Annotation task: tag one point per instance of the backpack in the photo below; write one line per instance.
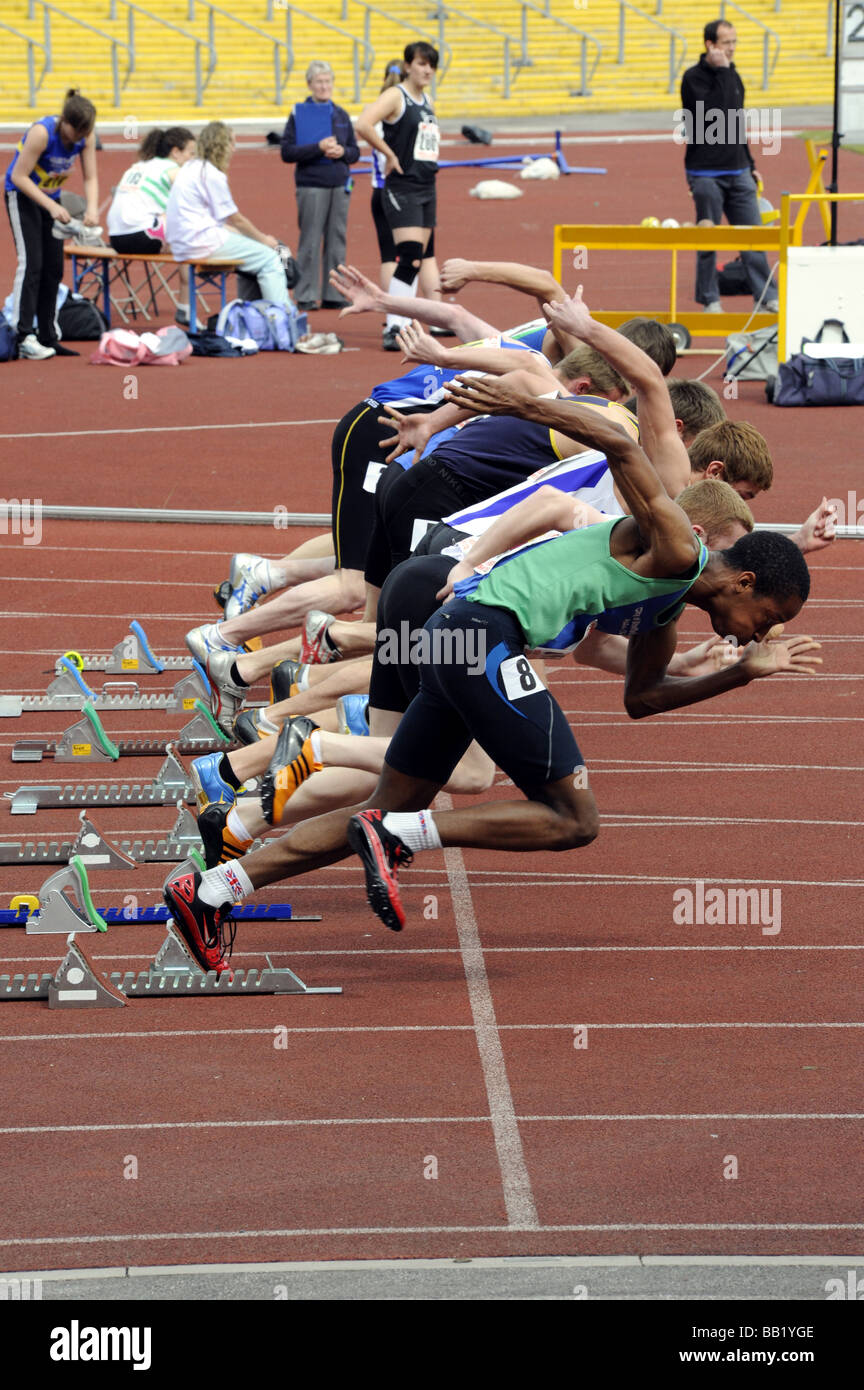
(274, 327)
(751, 356)
(120, 347)
(8, 342)
(81, 319)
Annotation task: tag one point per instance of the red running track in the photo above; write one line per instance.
(456, 1043)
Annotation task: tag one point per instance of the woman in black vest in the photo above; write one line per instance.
(409, 143)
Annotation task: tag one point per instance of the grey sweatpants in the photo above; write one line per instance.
(323, 217)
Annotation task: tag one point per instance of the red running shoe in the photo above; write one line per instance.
(382, 854)
(207, 932)
(317, 646)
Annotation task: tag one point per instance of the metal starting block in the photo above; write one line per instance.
(65, 903)
(68, 691)
(132, 654)
(92, 848)
(87, 742)
(171, 784)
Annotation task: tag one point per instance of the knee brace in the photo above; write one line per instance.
(408, 257)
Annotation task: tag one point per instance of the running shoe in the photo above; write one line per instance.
(352, 712)
(292, 763)
(207, 932)
(226, 696)
(201, 641)
(31, 347)
(382, 854)
(211, 789)
(220, 846)
(247, 727)
(390, 340)
(285, 680)
(317, 647)
(251, 578)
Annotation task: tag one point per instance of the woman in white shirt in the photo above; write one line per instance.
(136, 217)
(202, 220)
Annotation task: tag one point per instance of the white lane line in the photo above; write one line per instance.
(176, 429)
(318, 1231)
(400, 1028)
(518, 1197)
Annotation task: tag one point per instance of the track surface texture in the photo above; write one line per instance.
(545, 1062)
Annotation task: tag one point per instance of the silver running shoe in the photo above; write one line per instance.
(226, 697)
(204, 641)
(251, 578)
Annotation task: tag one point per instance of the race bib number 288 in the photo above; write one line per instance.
(426, 141)
(519, 678)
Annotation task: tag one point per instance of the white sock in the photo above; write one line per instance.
(399, 289)
(315, 740)
(416, 829)
(235, 824)
(276, 577)
(267, 725)
(303, 678)
(224, 884)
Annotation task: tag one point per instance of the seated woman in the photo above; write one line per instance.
(202, 220)
(136, 217)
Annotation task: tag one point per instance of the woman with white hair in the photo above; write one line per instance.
(319, 139)
(202, 219)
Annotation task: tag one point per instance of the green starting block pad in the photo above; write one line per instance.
(87, 742)
(97, 852)
(69, 691)
(132, 654)
(171, 784)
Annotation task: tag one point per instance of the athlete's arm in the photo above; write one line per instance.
(547, 509)
(818, 530)
(456, 273)
(415, 431)
(366, 296)
(662, 524)
(384, 108)
(422, 347)
(91, 181)
(35, 144)
(659, 433)
(649, 688)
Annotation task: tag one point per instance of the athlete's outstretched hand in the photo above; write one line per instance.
(769, 658)
(455, 274)
(419, 346)
(409, 432)
(572, 315)
(819, 529)
(488, 395)
(352, 284)
(714, 655)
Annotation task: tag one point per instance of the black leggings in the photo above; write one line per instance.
(426, 492)
(407, 603)
(40, 268)
(141, 243)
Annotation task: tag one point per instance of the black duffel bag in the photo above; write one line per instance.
(805, 380)
(81, 320)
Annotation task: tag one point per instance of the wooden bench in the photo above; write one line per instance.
(114, 272)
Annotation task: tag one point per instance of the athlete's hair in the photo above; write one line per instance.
(777, 563)
(421, 50)
(587, 361)
(696, 405)
(714, 505)
(654, 339)
(709, 33)
(158, 144)
(740, 448)
(78, 112)
(215, 144)
(316, 68)
(393, 74)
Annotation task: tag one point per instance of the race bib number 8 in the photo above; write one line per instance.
(519, 678)
(426, 141)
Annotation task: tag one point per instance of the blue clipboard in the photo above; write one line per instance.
(313, 121)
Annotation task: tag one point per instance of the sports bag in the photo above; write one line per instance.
(805, 380)
(81, 320)
(273, 327)
(8, 342)
(751, 356)
(120, 347)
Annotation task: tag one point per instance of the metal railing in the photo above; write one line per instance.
(584, 39)
(116, 44)
(768, 63)
(675, 37)
(445, 55)
(279, 78)
(356, 44)
(201, 79)
(442, 13)
(32, 44)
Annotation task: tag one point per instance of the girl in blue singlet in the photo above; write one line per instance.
(43, 162)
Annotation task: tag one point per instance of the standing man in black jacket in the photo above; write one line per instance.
(323, 191)
(718, 163)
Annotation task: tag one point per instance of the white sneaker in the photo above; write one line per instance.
(75, 229)
(251, 578)
(772, 306)
(203, 641)
(715, 307)
(32, 348)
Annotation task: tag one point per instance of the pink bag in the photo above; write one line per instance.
(120, 347)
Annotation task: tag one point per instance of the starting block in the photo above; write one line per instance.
(91, 847)
(87, 742)
(171, 783)
(68, 691)
(65, 904)
(78, 983)
(132, 653)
